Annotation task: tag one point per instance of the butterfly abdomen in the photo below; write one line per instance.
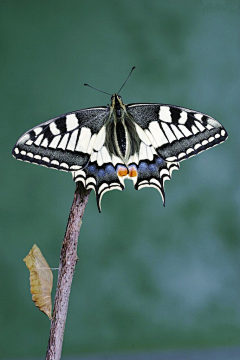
(121, 137)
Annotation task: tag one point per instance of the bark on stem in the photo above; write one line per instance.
(68, 260)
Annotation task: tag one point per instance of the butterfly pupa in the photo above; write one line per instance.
(41, 280)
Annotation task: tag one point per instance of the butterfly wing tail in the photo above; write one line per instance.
(154, 173)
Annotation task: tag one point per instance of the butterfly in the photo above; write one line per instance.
(103, 146)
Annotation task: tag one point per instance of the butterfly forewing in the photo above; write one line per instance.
(177, 133)
(63, 143)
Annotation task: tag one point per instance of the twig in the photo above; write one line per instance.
(68, 260)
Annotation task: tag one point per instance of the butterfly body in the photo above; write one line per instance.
(103, 146)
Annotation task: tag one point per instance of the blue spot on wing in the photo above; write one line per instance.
(153, 167)
(149, 171)
(143, 166)
(110, 169)
(105, 174)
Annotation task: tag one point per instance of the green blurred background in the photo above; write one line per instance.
(148, 277)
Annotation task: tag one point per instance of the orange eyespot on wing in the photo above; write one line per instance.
(132, 171)
(122, 171)
(41, 280)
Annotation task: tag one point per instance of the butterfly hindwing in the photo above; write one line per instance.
(154, 173)
(63, 143)
(177, 133)
(100, 174)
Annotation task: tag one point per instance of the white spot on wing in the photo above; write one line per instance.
(37, 130)
(75, 167)
(199, 125)
(211, 139)
(181, 155)
(142, 135)
(79, 178)
(183, 117)
(105, 155)
(55, 141)
(168, 132)
(71, 122)
(90, 186)
(171, 158)
(173, 166)
(143, 152)
(177, 133)
(100, 139)
(185, 130)
(46, 159)
(91, 180)
(91, 143)
(72, 140)
(209, 127)
(63, 142)
(164, 172)
(151, 138)
(64, 165)
(116, 160)
(53, 128)
(16, 150)
(149, 153)
(37, 157)
(133, 159)
(155, 181)
(99, 158)
(39, 140)
(157, 133)
(198, 116)
(80, 173)
(194, 129)
(165, 114)
(55, 162)
(105, 190)
(197, 146)
(94, 156)
(45, 143)
(102, 187)
(84, 139)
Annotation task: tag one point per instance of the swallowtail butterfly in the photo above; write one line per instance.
(103, 146)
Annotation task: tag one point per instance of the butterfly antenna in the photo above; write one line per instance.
(104, 92)
(126, 79)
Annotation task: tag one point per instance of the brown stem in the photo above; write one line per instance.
(68, 260)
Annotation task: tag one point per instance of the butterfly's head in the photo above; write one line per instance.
(116, 101)
(117, 105)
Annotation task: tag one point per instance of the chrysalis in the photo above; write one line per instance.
(41, 280)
